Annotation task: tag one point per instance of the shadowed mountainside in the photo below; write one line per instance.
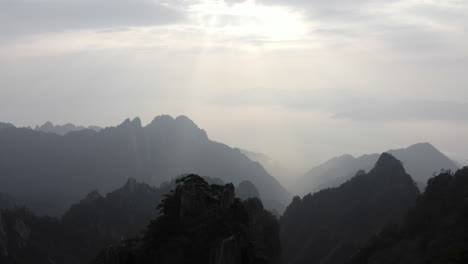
(202, 223)
(52, 171)
(421, 161)
(88, 226)
(331, 225)
(435, 231)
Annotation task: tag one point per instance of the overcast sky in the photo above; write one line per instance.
(299, 80)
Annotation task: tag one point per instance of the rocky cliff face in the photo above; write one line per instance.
(202, 223)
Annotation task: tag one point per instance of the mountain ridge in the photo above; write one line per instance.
(34, 162)
(421, 160)
(329, 226)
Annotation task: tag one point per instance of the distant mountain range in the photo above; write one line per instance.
(421, 161)
(331, 225)
(62, 130)
(50, 171)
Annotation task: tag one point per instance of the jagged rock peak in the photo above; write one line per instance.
(135, 123)
(387, 162)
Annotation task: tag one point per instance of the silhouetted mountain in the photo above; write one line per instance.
(121, 214)
(62, 130)
(86, 228)
(434, 231)
(331, 225)
(421, 161)
(246, 190)
(202, 223)
(83, 231)
(45, 168)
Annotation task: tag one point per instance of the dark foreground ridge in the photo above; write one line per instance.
(435, 231)
(89, 226)
(202, 223)
(331, 225)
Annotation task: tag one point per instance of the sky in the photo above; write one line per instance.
(299, 80)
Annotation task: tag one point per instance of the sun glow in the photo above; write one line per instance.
(249, 21)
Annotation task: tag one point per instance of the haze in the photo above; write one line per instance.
(301, 81)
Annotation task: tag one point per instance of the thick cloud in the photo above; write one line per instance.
(37, 16)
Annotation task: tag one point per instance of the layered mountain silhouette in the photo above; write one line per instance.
(87, 227)
(62, 130)
(434, 231)
(97, 221)
(50, 171)
(202, 223)
(329, 226)
(421, 161)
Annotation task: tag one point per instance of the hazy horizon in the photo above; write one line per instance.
(296, 168)
(301, 81)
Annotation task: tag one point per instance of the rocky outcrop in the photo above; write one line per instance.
(202, 223)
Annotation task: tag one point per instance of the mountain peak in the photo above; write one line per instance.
(180, 127)
(136, 122)
(186, 122)
(47, 124)
(389, 163)
(162, 119)
(425, 146)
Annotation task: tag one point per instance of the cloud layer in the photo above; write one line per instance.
(39, 16)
